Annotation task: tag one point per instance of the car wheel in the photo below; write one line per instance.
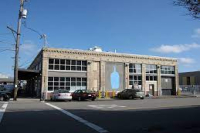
(93, 99)
(130, 97)
(79, 98)
(142, 98)
(1, 98)
(70, 100)
(119, 96)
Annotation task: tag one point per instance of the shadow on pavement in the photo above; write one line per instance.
(42, 120)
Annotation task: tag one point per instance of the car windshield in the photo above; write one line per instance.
(126, 90)
(86, 91)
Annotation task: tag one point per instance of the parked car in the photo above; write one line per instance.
(61, 95)
(4, 94)
(131, 94)
(84, 94)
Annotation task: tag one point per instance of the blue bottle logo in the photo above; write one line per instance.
(114, 78)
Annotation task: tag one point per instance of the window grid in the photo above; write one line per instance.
(151, 69)
(135, 68)
(151, 78)
(135, 79)
(167, 70)
(67, 83)
(67, 65)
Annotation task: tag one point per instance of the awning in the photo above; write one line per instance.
(26, 74)
(6, 80)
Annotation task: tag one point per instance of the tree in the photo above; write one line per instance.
(193, 6)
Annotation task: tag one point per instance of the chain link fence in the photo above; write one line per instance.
(190, 89)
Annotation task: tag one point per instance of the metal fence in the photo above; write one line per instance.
(190, 89)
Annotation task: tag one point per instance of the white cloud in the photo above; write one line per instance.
(186, 60)
(196, 33)
(175, 48)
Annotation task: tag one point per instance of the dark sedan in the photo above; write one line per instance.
(83, 95)
(131, 94)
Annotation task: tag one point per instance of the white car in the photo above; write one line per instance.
(61, 95)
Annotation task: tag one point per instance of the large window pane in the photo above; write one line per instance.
(50, 88)
(84, 63)
(51, 61)
(67, 67)
(51, 67)
(62, 67)
(62, 62)
(73, 62)
(62, 78)
(84, 68)
(56, 79)
(67, 62)
(78, 62)
(56, 67)
(57, 61)
(50, 78)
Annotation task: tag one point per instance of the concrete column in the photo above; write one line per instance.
(126, 75)
(176, 79)
(159, 80)
(44, 78)
(89, 75)
(144, 77)
(102, 75)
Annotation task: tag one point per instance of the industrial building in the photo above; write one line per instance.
(189, 78)
(96, 70)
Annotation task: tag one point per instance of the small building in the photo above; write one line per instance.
(189, 78)
(97, 70)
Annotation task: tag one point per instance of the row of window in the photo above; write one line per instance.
(150, 69)
(135, 68)
(66, 83)
(135, 79)
(167, 70)
(62, 64)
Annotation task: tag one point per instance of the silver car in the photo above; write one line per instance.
(61, 95)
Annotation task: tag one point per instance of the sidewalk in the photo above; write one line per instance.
(153, 97)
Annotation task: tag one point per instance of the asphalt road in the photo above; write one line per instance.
(114, 116)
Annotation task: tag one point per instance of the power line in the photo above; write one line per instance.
(26, 62)
(42, 36)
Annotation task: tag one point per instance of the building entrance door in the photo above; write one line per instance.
(151, 89)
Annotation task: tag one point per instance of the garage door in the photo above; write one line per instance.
(167, 84)
(166, 92)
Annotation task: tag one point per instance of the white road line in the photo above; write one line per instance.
(89, 124)
(2, 110)
(112, 106)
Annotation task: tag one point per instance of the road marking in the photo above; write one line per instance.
(106, 106)
(89, 124)
(163, 107)
(2, 110)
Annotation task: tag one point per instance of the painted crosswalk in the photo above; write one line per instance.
(2, 110)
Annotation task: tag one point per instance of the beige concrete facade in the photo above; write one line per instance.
(96, 62)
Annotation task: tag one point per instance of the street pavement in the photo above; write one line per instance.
(114, 116)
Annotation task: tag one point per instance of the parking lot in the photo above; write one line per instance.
(116, 116)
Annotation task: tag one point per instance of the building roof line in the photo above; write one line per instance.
(107, 53)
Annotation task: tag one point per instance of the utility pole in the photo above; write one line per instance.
(21, 15)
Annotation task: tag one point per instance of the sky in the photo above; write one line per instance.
(152, 27)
